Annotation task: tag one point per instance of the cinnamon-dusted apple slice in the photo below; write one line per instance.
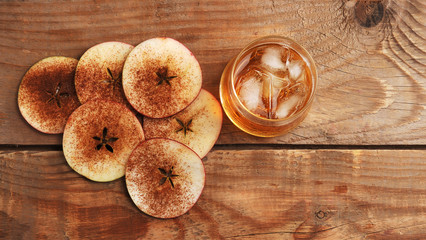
(99, 72)
(99, 138)
(161, 77)
(164, 178)
(197, 126)
(46, 95)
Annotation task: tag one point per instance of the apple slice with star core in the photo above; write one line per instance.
(98, 139)
(47, 96)
(161, 77)
(197, 126)
(164, 178)
(99, 72)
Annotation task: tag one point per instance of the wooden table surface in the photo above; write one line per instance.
(354, 169)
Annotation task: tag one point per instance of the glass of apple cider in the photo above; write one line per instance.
(268, 88)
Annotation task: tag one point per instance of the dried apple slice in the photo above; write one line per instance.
(99, 72)
(47, 96)
(197, 126)
(99, 138)
(164, 177)
(161, 77)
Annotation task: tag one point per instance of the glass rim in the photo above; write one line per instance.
(285, 41)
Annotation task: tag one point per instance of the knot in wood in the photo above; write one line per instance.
(369, 13)
(320, 214)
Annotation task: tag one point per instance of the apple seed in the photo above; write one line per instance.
(112, 81)
(104, 141)
(167, 176)
(56, 95)
(184, 126)
(162, 76)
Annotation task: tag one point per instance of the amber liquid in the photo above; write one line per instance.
(273, 85)
(272, 81)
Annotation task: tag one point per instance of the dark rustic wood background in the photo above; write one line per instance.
(354, 169)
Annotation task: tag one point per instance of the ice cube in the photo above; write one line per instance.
(302, 78)
(272, 59)
(272, 85)
(295, 68)
(279, 82)
(286, 108)
(270, 93)
(250, 92)
(267, 95)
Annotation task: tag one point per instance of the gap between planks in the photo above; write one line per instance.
(13, 147)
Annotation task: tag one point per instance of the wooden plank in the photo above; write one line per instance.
(263, 194)
(372, 80)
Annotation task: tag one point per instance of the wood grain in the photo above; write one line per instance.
(263, 194)
(371, 80)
